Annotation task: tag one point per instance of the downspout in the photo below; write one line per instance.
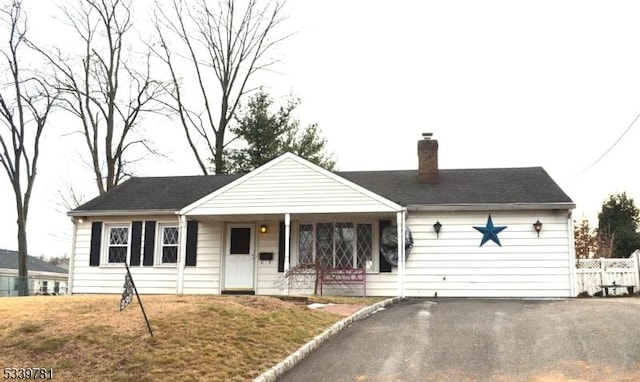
(404, 250)
(400, 234)
(572, 255)
(72, 255)
(183, 252)
(287, 235)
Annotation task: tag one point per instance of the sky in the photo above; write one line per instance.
(499, 84)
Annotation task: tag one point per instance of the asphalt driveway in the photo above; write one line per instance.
(594, 339)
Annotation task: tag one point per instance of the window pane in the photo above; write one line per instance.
(344, 236)
(170, 235)
(119, 236)
(365, 246)
(240, 241)
(306, 243)
(324, 243)
(170, 254)
(117, 254)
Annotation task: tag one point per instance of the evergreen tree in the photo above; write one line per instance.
(264, 134)
(619, 218)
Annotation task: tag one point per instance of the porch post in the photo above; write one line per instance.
(404, 250)
(182, 252)
(287, 235)
(400, 233)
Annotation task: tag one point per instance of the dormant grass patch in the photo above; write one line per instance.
(206, 338)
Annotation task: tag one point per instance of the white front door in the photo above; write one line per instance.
(240, 257)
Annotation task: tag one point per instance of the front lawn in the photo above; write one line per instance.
(207, 338)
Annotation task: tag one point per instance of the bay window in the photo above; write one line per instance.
(337, 244)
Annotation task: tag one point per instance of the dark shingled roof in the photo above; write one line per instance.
(530, 185)
(9, 260)
(157, 193)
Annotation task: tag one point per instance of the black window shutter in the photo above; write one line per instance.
(149, 240)
(384, 265)
(96, 237)
(136, 239)
(192, 243)
(281, 248)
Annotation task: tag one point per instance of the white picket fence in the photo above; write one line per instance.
(591, 273)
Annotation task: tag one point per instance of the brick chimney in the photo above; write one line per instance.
(428, 159)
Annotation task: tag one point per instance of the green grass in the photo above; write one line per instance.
(196, 338)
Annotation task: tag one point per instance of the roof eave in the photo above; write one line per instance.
(489, 207)
(122, 212)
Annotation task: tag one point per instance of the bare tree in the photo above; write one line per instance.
(69, 198)
(25, 103)
(104, 87)
(606, 242)
(222, 47)
(303, 275)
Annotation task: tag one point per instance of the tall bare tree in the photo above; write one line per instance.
(607, 242)
(25, 103)
(222, 44)
(108, 86)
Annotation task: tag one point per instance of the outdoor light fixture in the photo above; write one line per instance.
(437, 227)
(263, 228)
(538, 227)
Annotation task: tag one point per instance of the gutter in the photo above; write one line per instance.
(121, 212)
(490, 207)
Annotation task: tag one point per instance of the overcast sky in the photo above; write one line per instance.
(499, 83)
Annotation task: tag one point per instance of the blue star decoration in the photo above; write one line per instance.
(490, 232)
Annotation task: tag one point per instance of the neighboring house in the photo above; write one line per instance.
(43, 278)
(240, 233)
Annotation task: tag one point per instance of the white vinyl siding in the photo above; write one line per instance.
(455, 265)
(268, 281)
(204, 278)
(201, 279)
(291, 187)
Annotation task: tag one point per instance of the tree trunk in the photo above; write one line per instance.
(219, 157)
(23, 283)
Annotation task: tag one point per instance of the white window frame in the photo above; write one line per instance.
(375, 246)
(107, 243)
(160, 244)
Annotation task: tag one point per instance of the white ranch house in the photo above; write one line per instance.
(204, 234)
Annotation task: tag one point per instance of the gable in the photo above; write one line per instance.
(290, 184)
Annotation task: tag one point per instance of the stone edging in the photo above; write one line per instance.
(272, 374)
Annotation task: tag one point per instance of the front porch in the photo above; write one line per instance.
(259, 253)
